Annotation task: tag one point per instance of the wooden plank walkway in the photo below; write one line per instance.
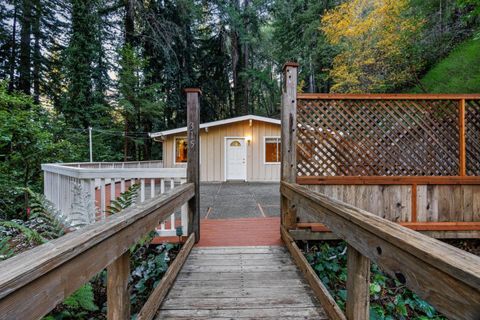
(250, 282)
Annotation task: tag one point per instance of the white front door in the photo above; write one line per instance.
(236, 159)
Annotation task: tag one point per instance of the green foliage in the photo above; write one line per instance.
(148, 267)
(25, 143)
(459, 72)
(124, 200)
(43, 213)
(31, 235)
(5, 250)
(389, 299)
(76, 306)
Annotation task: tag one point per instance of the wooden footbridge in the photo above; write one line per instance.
(362, 168)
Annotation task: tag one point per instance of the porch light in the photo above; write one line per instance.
(249, 139)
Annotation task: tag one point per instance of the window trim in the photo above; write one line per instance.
(265, 150)
(175, 150)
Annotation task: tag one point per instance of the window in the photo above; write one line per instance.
(272, 149)
(181, 150)
(235, 144)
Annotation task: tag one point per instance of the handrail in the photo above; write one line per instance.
(34, 282)
(447, 277)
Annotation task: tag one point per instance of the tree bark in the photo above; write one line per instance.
(37, 56)
(13, 55)
(25, 47)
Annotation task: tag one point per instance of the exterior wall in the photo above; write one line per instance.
(212, 151)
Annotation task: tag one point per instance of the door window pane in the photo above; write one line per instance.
(272, 150)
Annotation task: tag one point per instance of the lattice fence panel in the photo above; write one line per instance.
(472, 138)
(355, 137)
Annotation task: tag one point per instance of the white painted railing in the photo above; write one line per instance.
(82, 191)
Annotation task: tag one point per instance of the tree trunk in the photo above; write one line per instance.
(25, 47)
(11, 84)
(37, 56)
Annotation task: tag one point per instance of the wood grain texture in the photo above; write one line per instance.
(47, 274)
(321, 292)
(156, 298)
(391, 180)
(240, 282)
(445, 276)
(358, 285)
(193, 160)
(118, 295)
(288, 170)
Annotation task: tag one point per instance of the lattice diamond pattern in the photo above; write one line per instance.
(472, 139)
(384, 137)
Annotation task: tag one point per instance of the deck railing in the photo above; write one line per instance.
(34, 282)
(446, 277)
(82, 192)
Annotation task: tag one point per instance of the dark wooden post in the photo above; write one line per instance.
(193, 159)
(358, 285)
(118, 296)
(289, 139)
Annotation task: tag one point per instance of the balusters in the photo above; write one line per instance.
(152, 188)
(142, 190)
(102, 198)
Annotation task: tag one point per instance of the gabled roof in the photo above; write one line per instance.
(216, 123)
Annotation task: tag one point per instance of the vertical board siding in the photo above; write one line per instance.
(435, 203)
(212, 155)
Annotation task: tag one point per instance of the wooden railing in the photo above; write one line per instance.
(34, 282)
(446, 277)
(82, 192)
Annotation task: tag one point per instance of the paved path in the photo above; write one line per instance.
(240, 283)
(239, 200)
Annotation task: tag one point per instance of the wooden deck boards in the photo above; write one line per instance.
(258, 282)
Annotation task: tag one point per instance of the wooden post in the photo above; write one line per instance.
(461, 135)
(358, 285)
(193, 159)
(118, 296)
(289, 139)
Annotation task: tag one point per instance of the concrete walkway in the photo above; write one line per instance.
(238, 200)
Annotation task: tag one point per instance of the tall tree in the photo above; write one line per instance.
(24, 83)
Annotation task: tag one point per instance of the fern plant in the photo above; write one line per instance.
(124, 200)
(5, 248)
(44, 214)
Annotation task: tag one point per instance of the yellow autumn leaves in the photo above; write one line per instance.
(375, 39)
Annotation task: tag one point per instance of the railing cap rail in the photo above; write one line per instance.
(92, 173)
(385, 96)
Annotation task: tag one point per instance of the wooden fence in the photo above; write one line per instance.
(408, 158)
(363, 150)
(34, 282)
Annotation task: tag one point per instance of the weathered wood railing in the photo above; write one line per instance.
(82, 192)
(34, 282)
(446, 277)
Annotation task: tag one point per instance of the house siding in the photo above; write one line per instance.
(212, 150)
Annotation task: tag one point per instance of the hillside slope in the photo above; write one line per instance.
(459, 72)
